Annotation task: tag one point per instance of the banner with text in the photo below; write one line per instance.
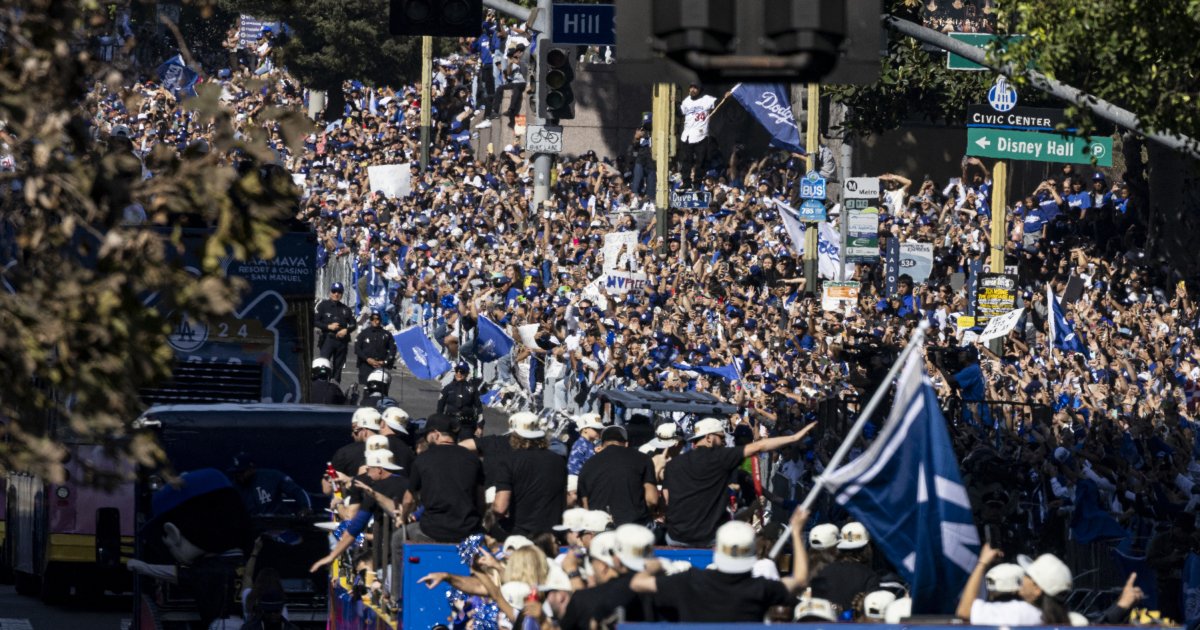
(620, 251)
(1000, 326)
(997, 295)
(916, 260)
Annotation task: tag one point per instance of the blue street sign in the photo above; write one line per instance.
(812, 210)
(812, 186)
(584, 24)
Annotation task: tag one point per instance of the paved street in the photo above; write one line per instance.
(25, 613)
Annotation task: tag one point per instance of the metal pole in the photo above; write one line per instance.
(914, 344)
(662, 117)
(542, 162)
(426, 97)
(812, 147)
(999, 229)
(508, 8)
(1075, 96)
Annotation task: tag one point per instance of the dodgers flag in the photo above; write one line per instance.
(177, 77)
(906, 489)
(829, 242)
(1062, 334)
(492, 342)
(419, 354)
(771, 107)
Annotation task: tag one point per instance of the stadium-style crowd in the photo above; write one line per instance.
(1096, 445)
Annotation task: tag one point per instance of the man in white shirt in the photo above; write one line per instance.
(694, 148)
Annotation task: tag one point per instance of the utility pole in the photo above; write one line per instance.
(662, 134)
(542, 161)
(999, 229)
(426, 97)
(811, 146)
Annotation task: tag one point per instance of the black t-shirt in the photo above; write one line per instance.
(355, 493)
(839, 582)
(538, 481)
(600, 603)
(348, 459)
(613, 480)
(448, 479)
(493, 449)
(695, 484)
(393, 488)
(700, 595)
(402, 455)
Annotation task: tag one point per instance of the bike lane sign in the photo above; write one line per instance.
(544, 139)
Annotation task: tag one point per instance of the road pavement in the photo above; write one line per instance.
(26, 613)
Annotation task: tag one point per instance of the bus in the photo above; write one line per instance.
(74, 536)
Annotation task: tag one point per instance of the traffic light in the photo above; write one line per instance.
(555, 99)
(439, 18)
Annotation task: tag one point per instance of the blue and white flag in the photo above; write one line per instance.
(829, 242)
(727, 372)
(177, 77)
(906, 489)
(771, 107)
(1062, 334)
(1191, 591)
(492, 342)
(420, 355)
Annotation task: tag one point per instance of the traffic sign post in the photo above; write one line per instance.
(584, 24)
(1006, 144)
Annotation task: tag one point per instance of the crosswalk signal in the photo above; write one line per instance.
(438, 18)
(556, 100)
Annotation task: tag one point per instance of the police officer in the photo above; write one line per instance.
(377, 385)
(375, 348)
(335, 321)
(321, 391)
(460, 401)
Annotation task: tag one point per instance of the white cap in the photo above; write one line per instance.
(381, 458)
(556, 580)
(572, 520)
(708, 426)
(527, 426)
(876, 602)
(396, 418)
(823, 536)
(664, 437)
(515, 593)
(635, 545)
(854, 536)
(366, 418)
(589, 421)
(521, 417)
(897, 610)
(596, 521)
(811, 608)
(1048, 572)
(515, 542)
(735, 550)
(603, 546)
(376, 442)
(1004, 578)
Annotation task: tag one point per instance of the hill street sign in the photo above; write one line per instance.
(1006, 144)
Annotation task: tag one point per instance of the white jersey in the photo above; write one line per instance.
(695, 117)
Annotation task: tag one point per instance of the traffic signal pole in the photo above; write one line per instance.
(541, 162)
(426, 97)
(811, 146)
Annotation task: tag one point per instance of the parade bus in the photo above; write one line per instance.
(77, 534)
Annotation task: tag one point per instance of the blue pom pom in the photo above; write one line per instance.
(470, 548)
(487, 617)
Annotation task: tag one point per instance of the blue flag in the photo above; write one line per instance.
(492, 342)
(906, 489)
(727, 372)
(1062, 334)
(771, 107)
(1191, 591)
(420, 355)
(177, 77)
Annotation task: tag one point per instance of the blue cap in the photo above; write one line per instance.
(337, 287)
(1097, 177)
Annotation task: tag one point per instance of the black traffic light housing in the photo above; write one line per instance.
(555, 98)
(439, 18)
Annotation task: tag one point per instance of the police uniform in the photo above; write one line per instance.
(374, 343)
(460, 400)
(322, 392)
(332, 347)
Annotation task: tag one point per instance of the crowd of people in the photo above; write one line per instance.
(1096, 443)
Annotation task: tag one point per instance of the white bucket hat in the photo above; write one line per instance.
(381, 458)
(735, 550)
(635, 545)
(707, 426)
(823, 536)
(854, 536)
(1048, 572)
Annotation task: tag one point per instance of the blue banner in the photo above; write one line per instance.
(492, 342)
(771, 107)
(1062, 334)
(177, 77)
(891, 265)
(420, 355)
(727, 372)
(908, 492)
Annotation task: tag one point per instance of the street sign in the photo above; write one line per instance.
(1038, 147)
(812, 186)
(1020, 118)
(812, 210)
(1002, 97)
(691, 199)
(861, 188)
(544, 139)
(978, 40)
(584, 24)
